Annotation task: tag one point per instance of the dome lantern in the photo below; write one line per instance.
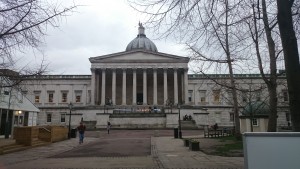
(141, 41)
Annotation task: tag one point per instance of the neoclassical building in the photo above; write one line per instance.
(143, 88)
(139, 76)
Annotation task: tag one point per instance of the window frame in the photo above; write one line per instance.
(50, 97)
(202, 97)
(78, 96)
(64, 97)
(63, 117)
(49, 117)
(217, 94)
(255, 122)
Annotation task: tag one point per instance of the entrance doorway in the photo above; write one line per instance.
(4, 123)
(139, 98)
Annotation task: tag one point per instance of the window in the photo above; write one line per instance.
(78, 96)
(24, 92)
(202, 95)
(63, 117)
(50, 97)
(49, 117)
(231, 117)
(64, 97)
(216, 95)
(190, 95)
(37, 96)
(285, 95)
(6, 92)
(254, 122)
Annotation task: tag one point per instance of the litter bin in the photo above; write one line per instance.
(175, 132)
(73, 133)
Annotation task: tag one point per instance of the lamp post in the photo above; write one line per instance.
(179, 122)
(70, 108)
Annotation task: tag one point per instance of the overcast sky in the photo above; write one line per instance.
(98, 28)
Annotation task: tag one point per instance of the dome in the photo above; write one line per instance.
(256, 108)
(141, 42)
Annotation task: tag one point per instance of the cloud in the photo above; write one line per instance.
(96, 28)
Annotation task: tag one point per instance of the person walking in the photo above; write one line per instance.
(108, 127)
(81, 130)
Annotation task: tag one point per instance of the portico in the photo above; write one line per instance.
(139, 76)
(139, 86)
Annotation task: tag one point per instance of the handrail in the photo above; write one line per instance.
(45, 129)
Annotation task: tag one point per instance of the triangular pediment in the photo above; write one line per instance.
(139, 56)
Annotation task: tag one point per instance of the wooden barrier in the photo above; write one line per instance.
(27, 135)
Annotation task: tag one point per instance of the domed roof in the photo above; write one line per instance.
(141, 42)
(256, 108)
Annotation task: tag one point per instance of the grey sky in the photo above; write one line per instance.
(98, 28)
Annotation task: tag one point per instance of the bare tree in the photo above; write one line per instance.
(291, 57)
(201, 24)
(262, 31)
(23, 23)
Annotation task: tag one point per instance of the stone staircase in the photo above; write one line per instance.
(188, 125)
(14, 147)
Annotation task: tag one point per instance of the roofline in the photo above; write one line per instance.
(91, 59)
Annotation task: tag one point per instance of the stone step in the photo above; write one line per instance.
(12, 148)
(188, 124)
(136, 115)
(20, 147)
(38, 143)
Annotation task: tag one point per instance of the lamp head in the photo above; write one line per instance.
(70, 105)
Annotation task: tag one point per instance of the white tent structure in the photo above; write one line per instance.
(15, 109)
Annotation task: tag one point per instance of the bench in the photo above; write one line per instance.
(212, 133)
(208, 132)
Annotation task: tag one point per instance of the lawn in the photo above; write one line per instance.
(225, 146)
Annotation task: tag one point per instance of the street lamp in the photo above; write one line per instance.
(179, 122)
(70, 108)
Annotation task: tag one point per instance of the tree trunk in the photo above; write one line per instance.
(272, 83)
(272, 124)
(232, 81)
(291, 58)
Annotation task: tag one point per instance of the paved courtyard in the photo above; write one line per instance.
(119, 149)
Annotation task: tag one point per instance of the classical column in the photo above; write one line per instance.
(145, 87)
(165, 86)
(186, 98)
(103, 88)
(97, 93)
(93, 86)
(134, 87)
(124, 88)
(154, 86)
(175, 87)
(113, 88)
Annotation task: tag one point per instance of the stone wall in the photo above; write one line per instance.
(139, 122)
(171, 120)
